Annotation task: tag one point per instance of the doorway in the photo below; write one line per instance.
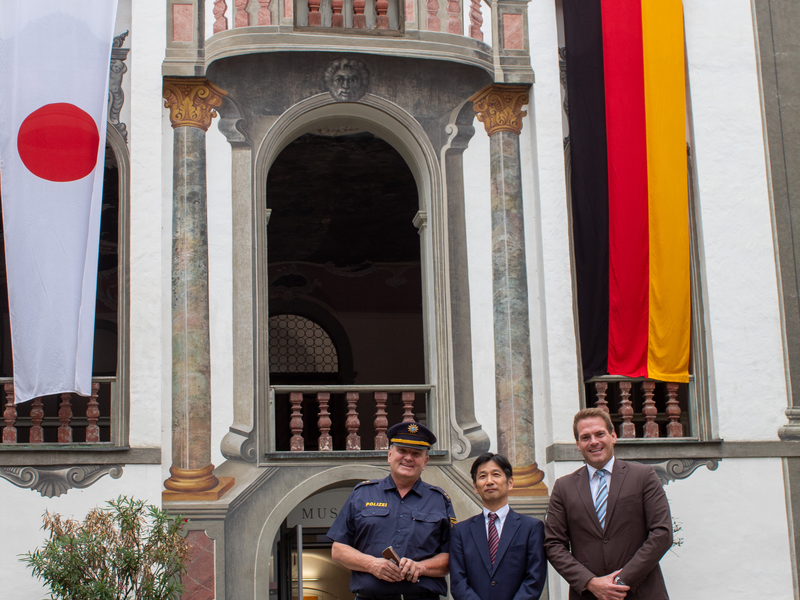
(301, 558)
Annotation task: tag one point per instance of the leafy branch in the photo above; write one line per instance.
(127, 551)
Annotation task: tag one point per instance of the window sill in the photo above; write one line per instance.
(661, 448)
(30, 455)
(337, 455)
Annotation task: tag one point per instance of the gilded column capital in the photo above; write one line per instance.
(499, 107)
(191, 101)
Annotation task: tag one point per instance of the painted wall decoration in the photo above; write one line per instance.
(347, 79)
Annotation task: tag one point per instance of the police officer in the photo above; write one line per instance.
(400, 511)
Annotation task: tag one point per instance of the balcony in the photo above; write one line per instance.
(335, 421)
(643, 408)
(59, 422)
(451, 30)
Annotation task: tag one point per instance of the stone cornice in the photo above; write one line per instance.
(27, 455)
(499, 107)
(191, 101)
(662, 450)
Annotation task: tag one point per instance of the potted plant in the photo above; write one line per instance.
(128, 550)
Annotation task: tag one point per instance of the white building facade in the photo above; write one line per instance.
(303, 260)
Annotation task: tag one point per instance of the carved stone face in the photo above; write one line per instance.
(346, 84)
(347, 80)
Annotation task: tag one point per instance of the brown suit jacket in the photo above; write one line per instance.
(638, 531)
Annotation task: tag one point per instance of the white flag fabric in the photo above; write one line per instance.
(54, 64)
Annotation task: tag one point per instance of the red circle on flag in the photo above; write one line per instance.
(59, 142)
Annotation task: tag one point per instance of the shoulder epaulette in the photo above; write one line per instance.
(447, 500)
(442, 492)
(366, 482)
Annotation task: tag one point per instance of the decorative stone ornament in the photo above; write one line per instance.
(191, 101)
(347, 79)
(674, 469)
(116, 72)
(54, 481)
(499, 107)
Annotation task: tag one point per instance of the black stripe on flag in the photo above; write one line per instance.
(583, 32)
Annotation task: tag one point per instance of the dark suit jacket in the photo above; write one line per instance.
(519, 568)
(638, 531)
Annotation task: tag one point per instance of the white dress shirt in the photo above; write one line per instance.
(501, 513)
(594, 482)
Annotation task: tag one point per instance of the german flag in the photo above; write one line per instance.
(627, 117)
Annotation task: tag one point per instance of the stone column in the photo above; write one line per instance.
(191, 102)
(499, 108)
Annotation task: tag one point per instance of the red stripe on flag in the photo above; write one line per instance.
(627, 188)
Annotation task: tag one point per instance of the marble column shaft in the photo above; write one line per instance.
(191, 102)
(510, 288)
(191, 357)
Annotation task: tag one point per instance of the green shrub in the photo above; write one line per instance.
(127, 551)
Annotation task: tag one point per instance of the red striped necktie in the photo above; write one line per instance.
(494, 539)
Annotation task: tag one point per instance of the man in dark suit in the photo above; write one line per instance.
(608, 523)
(498, 554)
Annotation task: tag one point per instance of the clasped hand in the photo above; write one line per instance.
(604, 588)
(388, 571)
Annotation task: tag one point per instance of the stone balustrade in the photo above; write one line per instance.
(643, 408)
(58, 419)
(342, 418)
(354, 16)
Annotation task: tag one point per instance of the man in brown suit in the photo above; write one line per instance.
(608, 523)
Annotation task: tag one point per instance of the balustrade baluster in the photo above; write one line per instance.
(359, 19)
(626, 429)
(242, 18)
(453, 13)
(410, 10)
(337, 18)
(433, 11)
(408, 406)
(324, 422)
(65, 416)
(220, 20)
(10, 416)
(314, 16)
(352, 423)
(382, 7)
(475, 20)
(264, 13)
(37, 416)
(92, 415)
(296, 443)
(381, 422)
(649, 410)
(674, 427)
(600, 388)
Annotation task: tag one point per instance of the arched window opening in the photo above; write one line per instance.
(87, 420)
(344, 264)
(299, 345)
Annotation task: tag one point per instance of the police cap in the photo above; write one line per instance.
(411, 435)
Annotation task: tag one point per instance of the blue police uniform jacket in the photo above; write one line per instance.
(416, 526)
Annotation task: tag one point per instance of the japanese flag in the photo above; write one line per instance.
(54, 63)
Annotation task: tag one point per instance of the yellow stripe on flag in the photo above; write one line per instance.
(665, 113)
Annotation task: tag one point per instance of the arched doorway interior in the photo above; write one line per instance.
(342, 244)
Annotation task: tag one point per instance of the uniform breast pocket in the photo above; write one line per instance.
(372, 526)
(375, 511)
(427, 536)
